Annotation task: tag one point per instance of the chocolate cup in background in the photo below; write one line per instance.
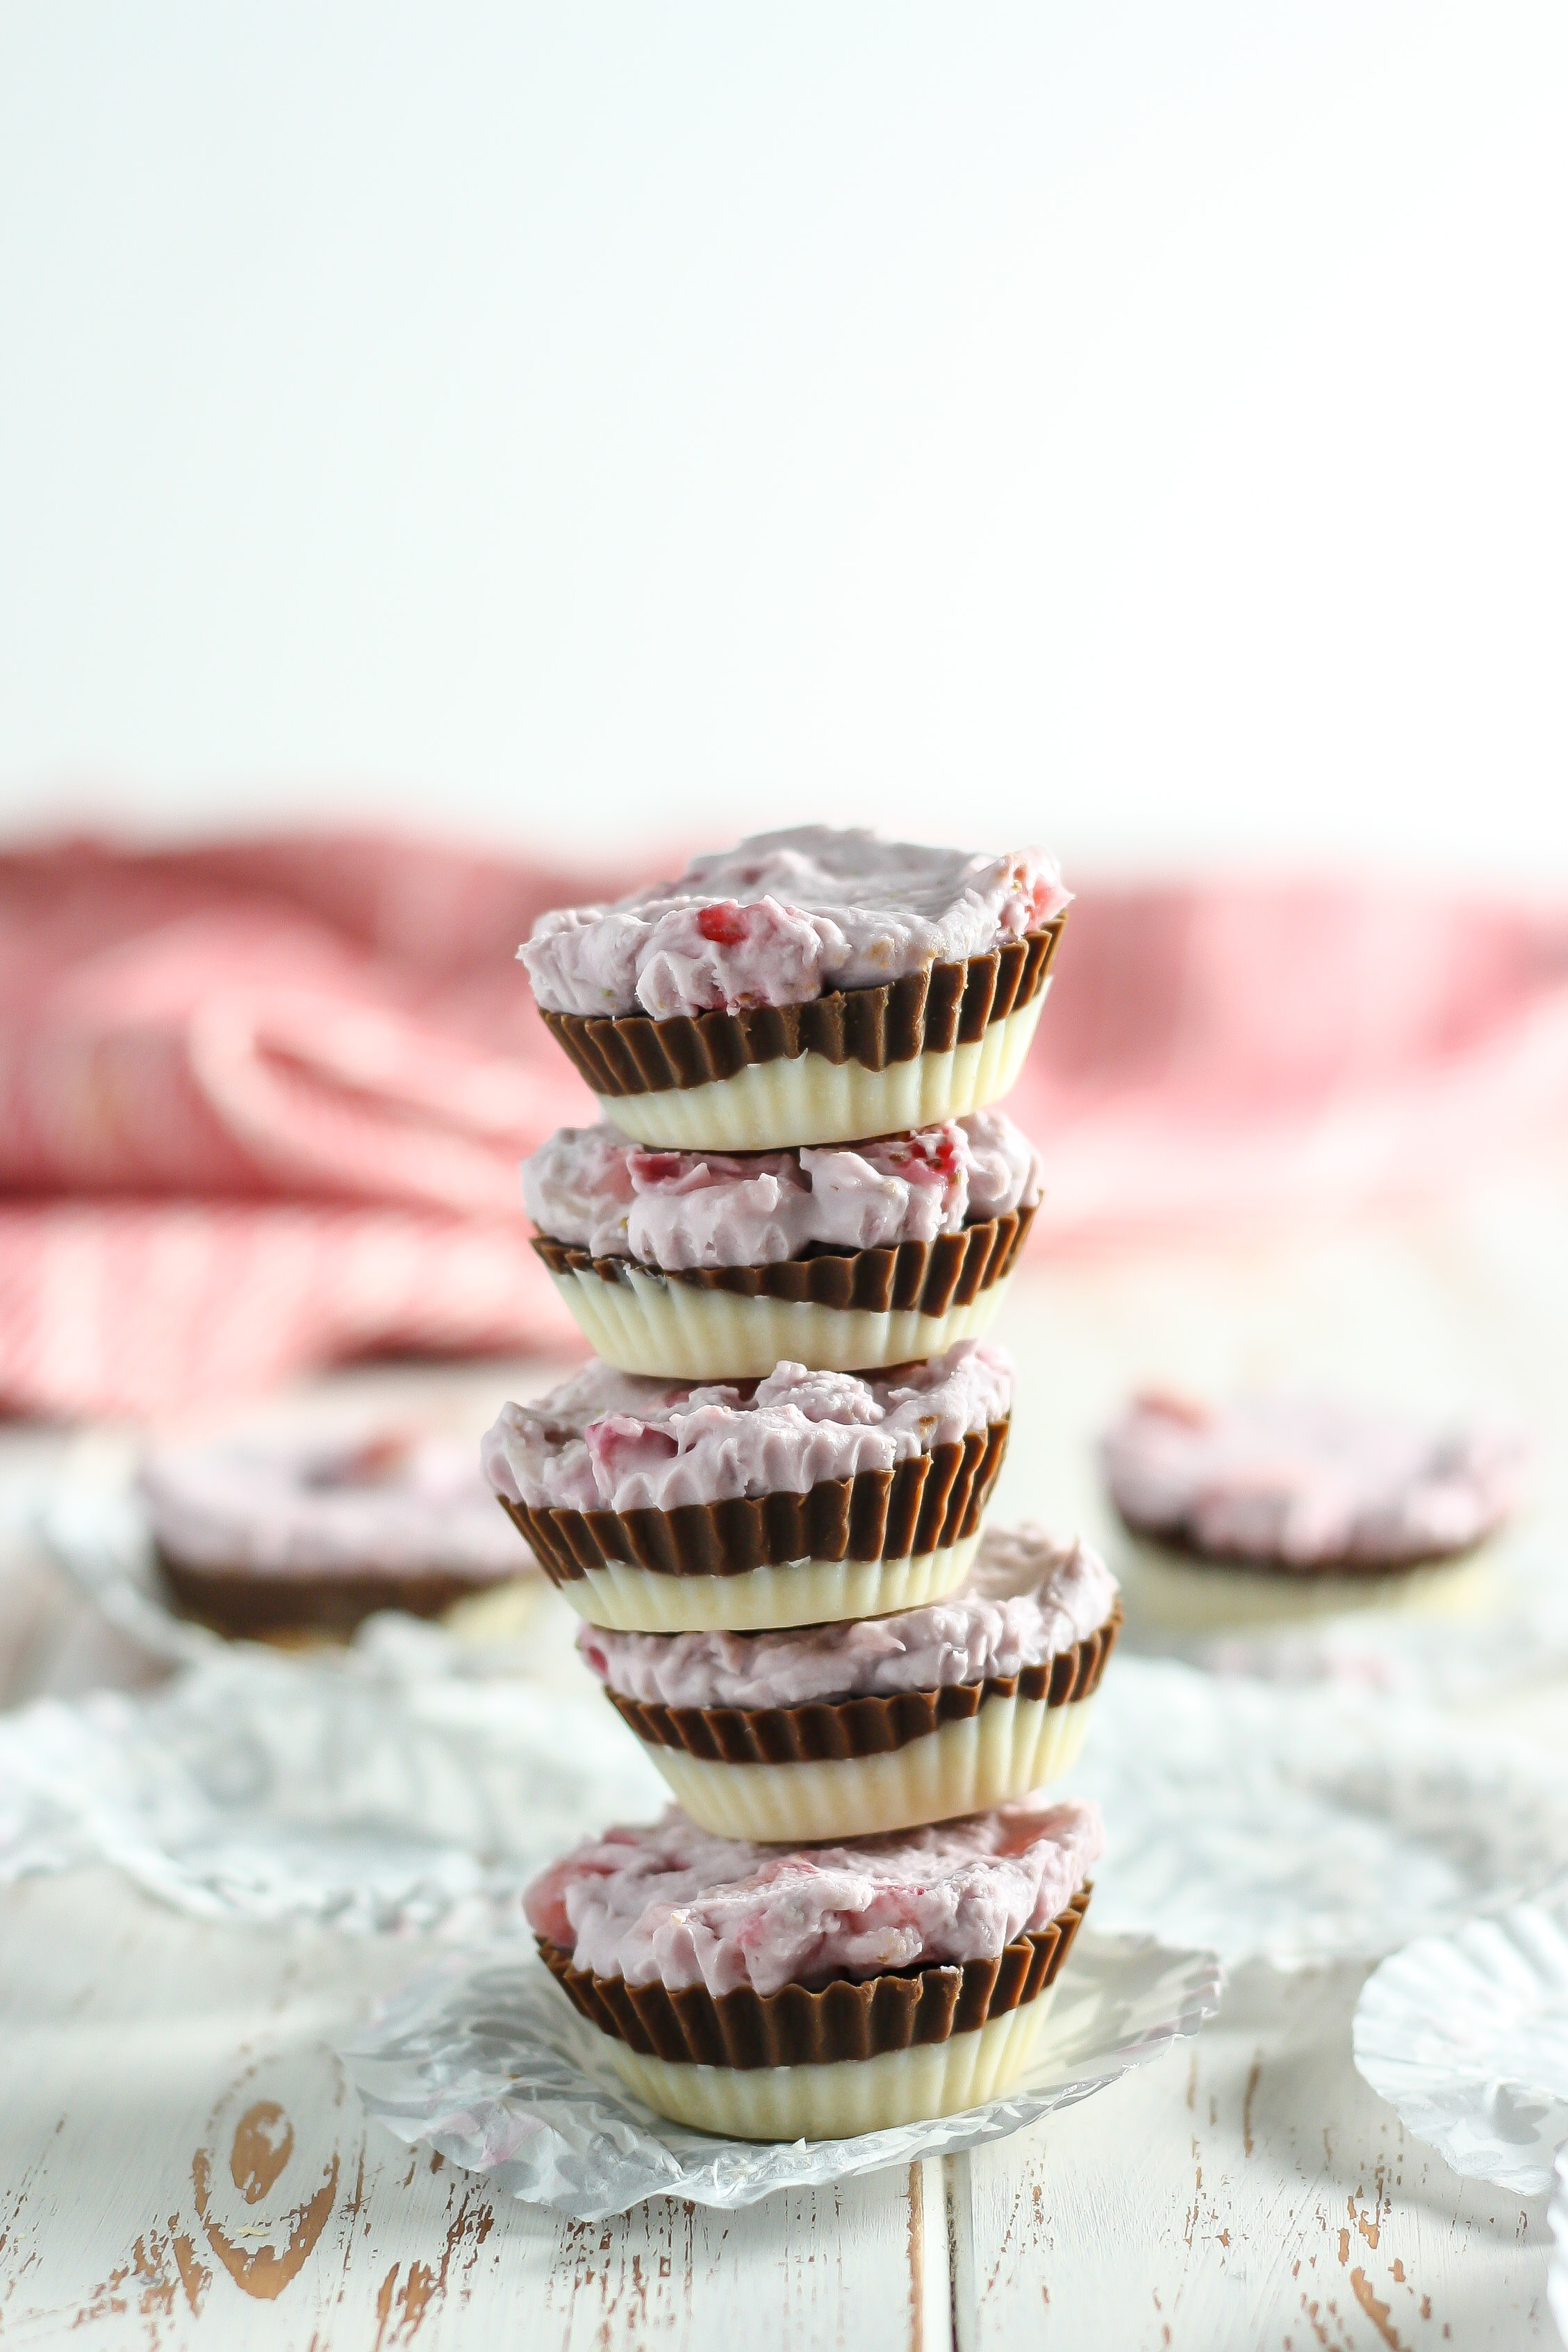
(844, 2057)
(933, 1044)
(301, 1606)
(1172, 1588)
(834, 1310)
(848, 1548)
(854, 1767)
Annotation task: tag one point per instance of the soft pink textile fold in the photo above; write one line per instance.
(1251, 1052)
(261, 1105)
(261, 1108)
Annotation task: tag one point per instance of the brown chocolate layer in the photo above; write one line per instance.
(796, 2026)
(926, 1277)
(920, 1505)
(1186, 1553)
(928, 1012)
(260, 1605)
(834, 1730)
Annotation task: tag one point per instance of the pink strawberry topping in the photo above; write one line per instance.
(608, 1440)
(784, 917)
(283, 1501)
(672, 1209)
(1300, 1481)
(670, 1904)
(1028, 1597)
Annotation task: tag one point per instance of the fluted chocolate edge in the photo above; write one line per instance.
(921, 1277)
(926, 1011)
(795, 2027)
(256, 1604)
(920, 1505)
(1184, 1553)
(835, 1730)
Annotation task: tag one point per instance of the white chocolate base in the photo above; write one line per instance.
(1167, 1593)
(1009, 1747)
(849, 2095)
(803, 1592)
(673, 1330)
(770, 1106)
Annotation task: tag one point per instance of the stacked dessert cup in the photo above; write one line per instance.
(765, 1496)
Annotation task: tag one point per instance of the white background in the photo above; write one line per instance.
(1135, 427)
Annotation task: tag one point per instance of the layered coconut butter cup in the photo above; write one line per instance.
(785, 1241)
(803, 1498)
(830, 1731)
(276, 1537)
(1273, 1508)
(717, 1266)
(811, 986)
(826, 1991)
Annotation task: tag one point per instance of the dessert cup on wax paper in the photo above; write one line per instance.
(1277, 1507)
(810, 986)
(800, 1499)
(825, 1992)
(276, 1536)
(717, 1266)
(827, 1731)
(791, 1602)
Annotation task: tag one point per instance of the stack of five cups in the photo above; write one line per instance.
(786, 1241)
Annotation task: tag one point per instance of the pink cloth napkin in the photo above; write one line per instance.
(261, 1105)
(261, 1108)
(1257, 1052)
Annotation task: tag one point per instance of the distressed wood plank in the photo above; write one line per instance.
(182, 2163)
(861, 2264)
(1249, 2191)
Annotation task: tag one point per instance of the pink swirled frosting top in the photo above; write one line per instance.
(784, 917)
(589, 1187)
(395, 1500)
(668, 1903)
(1027, 1598)
(608, 1440)
(1307, 1482)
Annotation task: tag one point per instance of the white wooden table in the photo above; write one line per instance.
(181, 2163)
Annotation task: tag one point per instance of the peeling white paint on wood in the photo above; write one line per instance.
(183, 2166)
(1255, 2192)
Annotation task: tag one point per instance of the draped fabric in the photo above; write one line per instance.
(262, 1103)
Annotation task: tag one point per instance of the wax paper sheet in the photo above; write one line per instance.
(484, 2060)
(1466, 2036)
(369, 1791)
(1301, 1825)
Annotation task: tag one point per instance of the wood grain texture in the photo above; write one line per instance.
(184, 2165)
(1249, 2190)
